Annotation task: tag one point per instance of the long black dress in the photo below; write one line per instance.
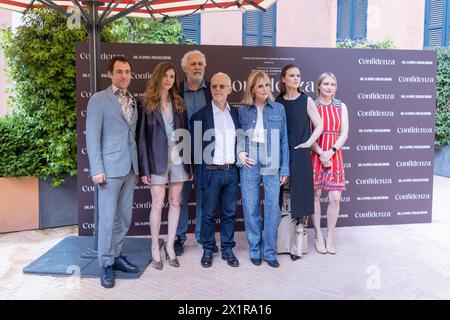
(300, 163)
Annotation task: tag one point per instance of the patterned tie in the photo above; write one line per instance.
(127, 104)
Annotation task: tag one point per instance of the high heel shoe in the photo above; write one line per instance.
(330, 246)
(158, 265)
(320, 245)
(294, 257)
(172, 262)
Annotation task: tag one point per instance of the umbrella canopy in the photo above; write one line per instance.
(95, 14)
(146, 8)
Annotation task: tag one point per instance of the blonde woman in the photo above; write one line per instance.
(328, 165)
(264, 155)
(162, 113)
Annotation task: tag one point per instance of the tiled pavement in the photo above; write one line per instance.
(376, 262)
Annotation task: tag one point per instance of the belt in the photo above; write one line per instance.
(214, 167)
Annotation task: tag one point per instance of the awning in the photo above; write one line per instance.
(95, 14)
(155, 9)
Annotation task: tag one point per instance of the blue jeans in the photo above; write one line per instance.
(250, 186)
(183, 222)
(222, 189)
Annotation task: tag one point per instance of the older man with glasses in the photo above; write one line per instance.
(213, 129)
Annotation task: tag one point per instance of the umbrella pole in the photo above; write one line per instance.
(94, 29)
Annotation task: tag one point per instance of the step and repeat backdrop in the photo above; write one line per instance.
(390, 95)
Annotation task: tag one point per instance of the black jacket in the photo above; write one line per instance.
(152, 141)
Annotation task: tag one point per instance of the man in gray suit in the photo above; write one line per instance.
(110, 139)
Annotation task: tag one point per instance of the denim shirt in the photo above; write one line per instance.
(273, 156)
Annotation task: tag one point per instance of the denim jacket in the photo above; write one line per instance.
(273, 156)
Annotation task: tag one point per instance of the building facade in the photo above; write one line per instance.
(410, 24)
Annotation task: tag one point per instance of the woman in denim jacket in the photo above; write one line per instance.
(263, 155)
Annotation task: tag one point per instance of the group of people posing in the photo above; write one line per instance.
(185, 135)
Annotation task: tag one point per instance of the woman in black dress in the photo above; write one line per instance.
(301, 111)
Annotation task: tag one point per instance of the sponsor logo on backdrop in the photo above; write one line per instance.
(374, 130)
(414, 130)
(83, 113)
(426, 62)
(88, 225)
(373, 181)
(377, 79)
(84, 150)
(417, 113)
(375, 147)
(416, 79)
(375, 113)
(137, 57)
(86, 188)
(372, 198)
(89, 207)
(85, 94)
(141, 76)
(142, 205)
(415, 147)
(240, 85)
(142, 223)
(413, 196)
(411, 213)
(374, 164)
(326, 200)
(103, 56)
(412, 180)
(413, 163)
(376, 96)
(347, 165)
(372, 214)
(376, 61)
(415, 96)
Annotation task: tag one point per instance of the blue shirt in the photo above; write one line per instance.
(194, 100)
(273, 155)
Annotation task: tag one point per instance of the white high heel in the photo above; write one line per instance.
(330, 246)
(320, 245)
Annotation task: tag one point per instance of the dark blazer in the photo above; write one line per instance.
(206, 117)
(152, 140)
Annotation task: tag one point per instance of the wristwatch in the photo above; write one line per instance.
(334, 149)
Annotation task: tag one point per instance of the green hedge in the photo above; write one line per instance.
(364, 44)
(39, 137)
(443, 97)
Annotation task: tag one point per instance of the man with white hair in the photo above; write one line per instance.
(217, 174)
(196, 94)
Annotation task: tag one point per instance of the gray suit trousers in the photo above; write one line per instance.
(115, 200)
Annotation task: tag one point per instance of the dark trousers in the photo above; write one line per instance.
(221, 190)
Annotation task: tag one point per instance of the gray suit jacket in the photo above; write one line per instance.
(110, 139)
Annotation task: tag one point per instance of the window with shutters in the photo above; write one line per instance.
(437, 23)
(190, 28)
(259, 28)
(351, 20)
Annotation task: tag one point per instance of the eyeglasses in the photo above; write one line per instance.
(219, 86)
